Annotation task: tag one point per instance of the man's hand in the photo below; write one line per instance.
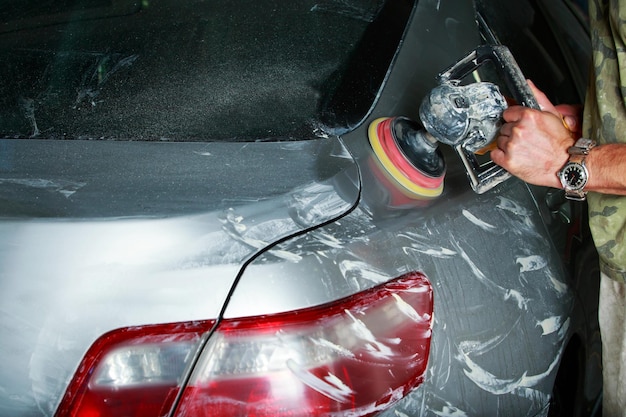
(532, 144)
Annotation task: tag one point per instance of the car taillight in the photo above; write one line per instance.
(352, 357)
(355, 356)
(133, 371)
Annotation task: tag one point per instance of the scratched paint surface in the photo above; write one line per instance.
(501, 303)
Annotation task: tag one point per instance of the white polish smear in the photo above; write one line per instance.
(449, 411)
(480, 223)
(359, 269)
(333, 346)
(512, 207)
(531, 263)
(559, 286)
(498, 386)
(374, 347)
(550, 325)
(506, 293)
(330, 386)
(423, 244)
(437, 253)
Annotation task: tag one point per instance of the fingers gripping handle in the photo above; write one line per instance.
(484, 176)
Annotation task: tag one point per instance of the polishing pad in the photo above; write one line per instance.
(404, 171)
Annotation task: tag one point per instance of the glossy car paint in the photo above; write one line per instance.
(102, 235)
(98, 274)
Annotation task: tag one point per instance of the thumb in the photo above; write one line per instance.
(571, 122)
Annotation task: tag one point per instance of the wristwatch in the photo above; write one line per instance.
(574, 174)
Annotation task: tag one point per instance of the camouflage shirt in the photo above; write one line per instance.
(605, 122)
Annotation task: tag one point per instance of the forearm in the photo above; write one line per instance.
(607, 169)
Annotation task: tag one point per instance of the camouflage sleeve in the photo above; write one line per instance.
(605, 121)
(607, 219)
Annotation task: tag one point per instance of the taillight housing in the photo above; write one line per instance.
(355, 356)
(134, 371)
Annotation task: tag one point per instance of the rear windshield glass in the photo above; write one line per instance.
(175, 70)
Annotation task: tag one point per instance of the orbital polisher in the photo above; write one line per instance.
(464, 115)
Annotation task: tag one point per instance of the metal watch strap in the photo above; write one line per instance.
(581, 147)
(578, 152)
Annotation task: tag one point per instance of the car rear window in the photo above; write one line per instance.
(175, 70)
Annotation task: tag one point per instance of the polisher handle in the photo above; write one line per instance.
(486, 176)
(504, 63)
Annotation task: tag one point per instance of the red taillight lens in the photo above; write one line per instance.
(356, 356)
(133, 371)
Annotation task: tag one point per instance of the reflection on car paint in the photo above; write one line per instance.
(64, 187)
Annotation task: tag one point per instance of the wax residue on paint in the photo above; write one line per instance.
(478, 222)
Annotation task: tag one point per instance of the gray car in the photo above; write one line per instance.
(193, 221)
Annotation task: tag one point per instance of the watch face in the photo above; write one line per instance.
(574, 176)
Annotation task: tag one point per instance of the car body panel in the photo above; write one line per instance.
(165, 239)
(499, 315)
